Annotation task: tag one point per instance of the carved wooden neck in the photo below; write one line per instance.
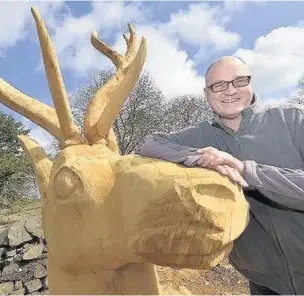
(131, 279)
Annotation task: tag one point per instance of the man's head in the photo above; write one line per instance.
(228, 101)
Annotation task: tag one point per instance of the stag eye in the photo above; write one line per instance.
(66, 183)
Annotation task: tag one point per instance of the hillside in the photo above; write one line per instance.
(223, 279)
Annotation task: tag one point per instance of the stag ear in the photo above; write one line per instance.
(42, 165)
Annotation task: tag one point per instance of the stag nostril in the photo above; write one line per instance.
(65, 182)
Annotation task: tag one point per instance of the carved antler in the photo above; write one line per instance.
(107, 103)
(70, 131)
(57, 121)
(102, 110)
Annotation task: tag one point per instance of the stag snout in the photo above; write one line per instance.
(180, 219)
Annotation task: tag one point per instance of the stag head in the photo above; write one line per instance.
(101, 210)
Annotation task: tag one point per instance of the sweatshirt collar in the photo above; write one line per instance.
(254, 108)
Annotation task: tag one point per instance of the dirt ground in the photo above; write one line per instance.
(221, 280)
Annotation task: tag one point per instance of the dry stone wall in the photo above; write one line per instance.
(23, 268)
(23, 259)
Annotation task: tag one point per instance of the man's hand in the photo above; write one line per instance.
(222, 162)
(212, 157)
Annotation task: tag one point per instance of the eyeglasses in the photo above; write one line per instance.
(223, 85)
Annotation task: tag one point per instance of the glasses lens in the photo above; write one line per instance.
(219, 86)
(223, 85)
(241, 81)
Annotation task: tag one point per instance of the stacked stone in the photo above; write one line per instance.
(23, 259)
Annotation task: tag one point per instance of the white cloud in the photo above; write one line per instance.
(37, 133)
(234, 5)
(42, 137)
(276, 100)
(203, 25)
(15, 17)
(72, 36)
(26, 122)
(171, 67)
(277, 59)
(117, 14)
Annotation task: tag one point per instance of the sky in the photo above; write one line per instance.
(183, 38)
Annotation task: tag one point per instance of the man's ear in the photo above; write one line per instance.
(205, 91)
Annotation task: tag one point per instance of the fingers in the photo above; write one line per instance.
(222, 170)
(228, 171)
(218, 161)
(206, 159)
(208, 155)
(206, 149)
(223, 162)
(236, 177)
(211, 157)
(232, 174)
(211, 161)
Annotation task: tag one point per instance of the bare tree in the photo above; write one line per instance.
(144, 112)
(185, 111)
(141, 114)
(80, 100)
(298, 96)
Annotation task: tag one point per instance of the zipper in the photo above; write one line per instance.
(282, 252)
(241, 157)
(238, 146)
(236, 138)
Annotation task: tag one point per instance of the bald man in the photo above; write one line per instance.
(261, 148)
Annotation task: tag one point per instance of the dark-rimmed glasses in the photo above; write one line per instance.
(223, 85)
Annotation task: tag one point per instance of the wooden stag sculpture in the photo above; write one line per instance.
(109, 218)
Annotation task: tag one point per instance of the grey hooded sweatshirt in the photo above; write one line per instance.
(270, 142)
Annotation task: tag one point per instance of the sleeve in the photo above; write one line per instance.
(179, 147)
(295, 120)
(281, 185)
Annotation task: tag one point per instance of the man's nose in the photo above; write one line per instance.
(231, 90)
